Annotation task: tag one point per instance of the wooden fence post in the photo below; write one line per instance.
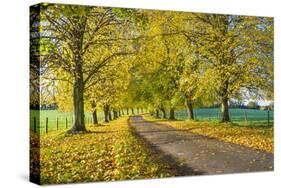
(46, 125)
(66, 122)
(245, 116)
(34, 124)
(57, 123)
(268, 117)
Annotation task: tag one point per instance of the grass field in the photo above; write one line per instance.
(58, 120)
(239, 116)
(62, 120)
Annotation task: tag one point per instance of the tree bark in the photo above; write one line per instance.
(172, 114)
(109, 115)
(157, 113)
(78, 104)
(78, 86)
(189, 110)
(138, 111)
(164, 112)
(106, 111)
(225, 110)
(127, 111)
(94, 107)
(115, 115)
(133, 111)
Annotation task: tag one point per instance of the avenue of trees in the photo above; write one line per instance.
(93, 58)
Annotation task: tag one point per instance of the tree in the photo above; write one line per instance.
(233, 49)
(111, 91)
(95, 58)
(159, 54)
(79, 33)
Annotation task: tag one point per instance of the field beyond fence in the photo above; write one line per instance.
(51, 120)
(253, 117)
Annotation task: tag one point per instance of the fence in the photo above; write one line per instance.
(240, 116)
(45, 125)
(45, 121)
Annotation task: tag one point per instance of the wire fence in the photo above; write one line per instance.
(237, 115)
(52, 121)
(45, 121)
(45, 125)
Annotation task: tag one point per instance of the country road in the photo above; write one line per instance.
(200, 154)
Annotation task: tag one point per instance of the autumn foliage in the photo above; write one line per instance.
(108, 152)
(114, 60)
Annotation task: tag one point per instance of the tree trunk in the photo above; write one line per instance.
(78, 104)
(94, 107)
(122, 112)
(189, 110)
(133, 111)
(164, 112)
(78, 86)
(225, 110)
(127, 111)
(172, 114)
(115, 116)
(106, 111)
(141, 110)
(157, 113)
(109, 115)
(138, 111)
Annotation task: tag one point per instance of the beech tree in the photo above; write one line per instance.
(110, 58)
(233, 49)
(114, 87)
(81, 32)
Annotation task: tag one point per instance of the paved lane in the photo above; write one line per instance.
(200, 154)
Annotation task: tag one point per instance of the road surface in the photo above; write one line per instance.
(194, 154)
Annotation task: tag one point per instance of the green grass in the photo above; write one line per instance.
(62, 117)
(65, 119)
(254, 117)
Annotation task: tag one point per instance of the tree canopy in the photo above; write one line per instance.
(89, 58)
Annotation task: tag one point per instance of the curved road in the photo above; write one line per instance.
(193, 154)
